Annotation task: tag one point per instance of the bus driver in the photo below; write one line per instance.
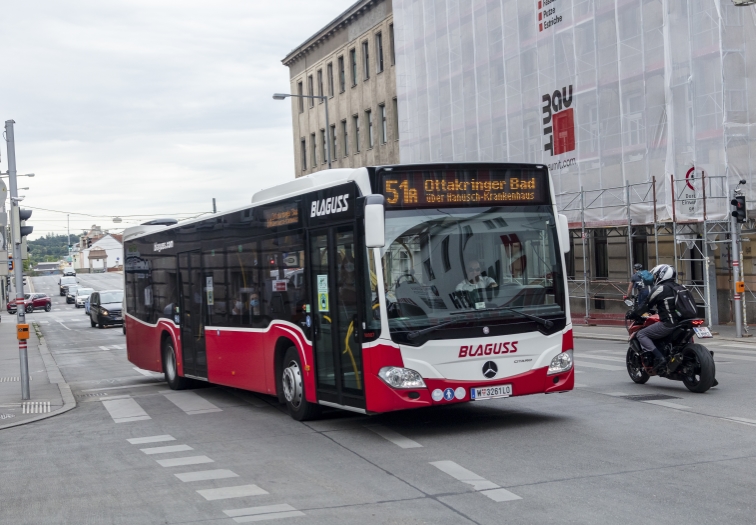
(475, 280)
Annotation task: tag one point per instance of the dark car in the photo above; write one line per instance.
(64, 282)
(105, 308)
(71, 293)
(32, 301)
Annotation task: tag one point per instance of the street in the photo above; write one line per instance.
(134, 452)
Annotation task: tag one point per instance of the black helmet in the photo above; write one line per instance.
(637, 266)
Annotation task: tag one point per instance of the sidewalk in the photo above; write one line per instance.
(50, 394)
(619, 333)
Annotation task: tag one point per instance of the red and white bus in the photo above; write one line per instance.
(370, 289)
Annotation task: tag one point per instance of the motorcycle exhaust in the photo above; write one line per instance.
(674, 363)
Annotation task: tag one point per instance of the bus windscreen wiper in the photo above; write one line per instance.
(417, 333)
(545, 322)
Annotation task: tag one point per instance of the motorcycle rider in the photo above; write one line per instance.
(661, 299)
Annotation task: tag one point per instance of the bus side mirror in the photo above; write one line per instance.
(564, 233)
(375, 221)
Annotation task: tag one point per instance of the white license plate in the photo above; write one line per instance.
(490, 392)
(702, 332)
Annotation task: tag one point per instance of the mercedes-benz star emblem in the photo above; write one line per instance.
(490, 369)
(486, 330)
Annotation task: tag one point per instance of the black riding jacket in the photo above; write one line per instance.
(661, 299)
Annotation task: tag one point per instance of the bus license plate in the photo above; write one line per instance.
(702, 332)
(490, 392)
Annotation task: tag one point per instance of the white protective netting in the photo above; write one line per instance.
(636, 89)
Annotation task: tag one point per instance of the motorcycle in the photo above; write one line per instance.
(687, 361)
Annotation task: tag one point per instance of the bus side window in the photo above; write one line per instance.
(284, 291)
(243, 262)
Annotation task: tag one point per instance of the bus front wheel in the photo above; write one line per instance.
(292, 384)
(170, 369)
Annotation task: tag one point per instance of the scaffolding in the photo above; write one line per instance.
(695, 222)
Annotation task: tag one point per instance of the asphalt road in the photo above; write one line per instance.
(592, 456)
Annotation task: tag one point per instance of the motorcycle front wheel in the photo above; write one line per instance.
(635, 366)
(697, 369)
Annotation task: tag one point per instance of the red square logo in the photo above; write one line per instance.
(540, 27)
(564, 131)
(539, 4)
(540, 15)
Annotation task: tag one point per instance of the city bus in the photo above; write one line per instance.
(371, 290)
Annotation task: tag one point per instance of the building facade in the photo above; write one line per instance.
(351, 62)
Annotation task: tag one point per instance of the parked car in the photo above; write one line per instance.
(64, 282)
(69, 271)
(105, 308)
(71, 293)
(82, 294)
(32, 301)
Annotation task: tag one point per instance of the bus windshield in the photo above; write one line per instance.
(478, 265)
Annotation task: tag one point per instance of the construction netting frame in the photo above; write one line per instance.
(605, 92)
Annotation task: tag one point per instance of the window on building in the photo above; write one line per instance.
(356, 119)
(601, 258)
(334, 155)
(366, 60)
(330, 79)
(396, 119)
(342, 75)
(324, 141)
(353, 65)
(310, 90)
(384, 123)
(345, 137)
(300, 92)
(369, 118)
(320, 84)
(379, 52)
(314, 149)
(391, 44)
(303, 144)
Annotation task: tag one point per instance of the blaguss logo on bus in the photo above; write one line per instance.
(160, 246)
(509, 347)
(329, 205)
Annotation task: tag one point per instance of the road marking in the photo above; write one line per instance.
(602, 357)
(35, 407)
(616, 394)
(165, 450)
(485, 487)
(742, 420)
(103, 348)
(613, 368)
(202, 475)
(151, 439)
(190, 402)
(667, 404)
(146, 372)
(735, 357)
(394, 437)
(580, 385)
(240, 491)
(267, 512)
(157, 383)
(125, 410)
(64, 326)
(180, 462)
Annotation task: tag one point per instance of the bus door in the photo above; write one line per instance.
(193, 312)
(337, 316)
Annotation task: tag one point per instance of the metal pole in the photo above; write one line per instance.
(215, 210)
(656, 226)
(18, 265)
(585, 262)
(629, 228)
(674, 221)
(737, 309)
(328, 132)
(707, 284)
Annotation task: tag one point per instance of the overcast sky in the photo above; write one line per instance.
(149, 107)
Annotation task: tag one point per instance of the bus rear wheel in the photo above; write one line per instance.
(292, 384)
(170, 368)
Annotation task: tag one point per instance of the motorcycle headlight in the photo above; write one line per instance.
(397, 377)
(561, 363)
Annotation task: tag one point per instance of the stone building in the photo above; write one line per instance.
(351, 62)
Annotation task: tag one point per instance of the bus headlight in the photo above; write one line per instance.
(397, 377)
(561, 363)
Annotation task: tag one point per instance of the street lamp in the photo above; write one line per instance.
(282, 96)
(5, 174)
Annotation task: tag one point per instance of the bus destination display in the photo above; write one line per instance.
(418, 189)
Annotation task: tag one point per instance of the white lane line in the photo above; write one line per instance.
(394, 437)
(147, 373)
(64, 326)
(203, 475)
(240, 491)
(125, 410)
(616, 394)
(487, 488)
(151, 439)
(157, 383)
(103, 348)
(165, 450)
(580, 385)
(179, 462)
(499, 495)
(580, 363)
(265, 517)
(667, 404)
(190, 402)
(744, 421)
(118, 347)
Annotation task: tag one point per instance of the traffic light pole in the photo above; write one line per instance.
(736, 297)
(18, 265)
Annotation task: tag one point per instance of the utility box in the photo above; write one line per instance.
(740, 286)
(23, 331)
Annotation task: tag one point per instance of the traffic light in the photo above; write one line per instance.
(20, 228)
(740, 208)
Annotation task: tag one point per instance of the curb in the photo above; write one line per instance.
(55, 377)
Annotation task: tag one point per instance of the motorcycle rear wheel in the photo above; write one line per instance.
(698, 368)
(635, 366)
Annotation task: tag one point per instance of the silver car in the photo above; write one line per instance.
(81, 296)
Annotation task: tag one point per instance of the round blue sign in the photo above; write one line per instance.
(449, 394)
